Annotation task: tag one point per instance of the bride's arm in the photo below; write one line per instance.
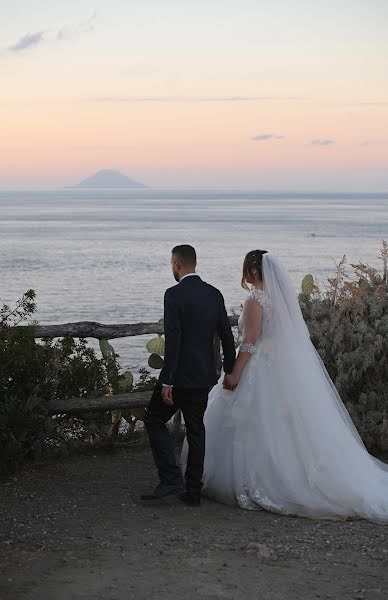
(253, 316)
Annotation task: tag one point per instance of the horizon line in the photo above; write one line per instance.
(196, 189)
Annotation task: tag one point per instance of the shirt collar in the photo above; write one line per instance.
(188, 275)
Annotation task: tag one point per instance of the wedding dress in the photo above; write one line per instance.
(283, 440)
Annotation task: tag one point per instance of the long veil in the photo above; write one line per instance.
(290, 336)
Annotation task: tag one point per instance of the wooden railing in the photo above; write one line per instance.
(92, 329)
(76, 406)
(99, 331)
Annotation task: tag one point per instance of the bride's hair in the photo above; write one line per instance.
(252, 262)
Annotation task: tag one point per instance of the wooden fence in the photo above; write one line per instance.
(99, 331)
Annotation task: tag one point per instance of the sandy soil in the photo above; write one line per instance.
(75, 529)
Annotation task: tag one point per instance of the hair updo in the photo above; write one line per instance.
(253, 261)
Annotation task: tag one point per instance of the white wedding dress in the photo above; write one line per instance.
(283, 440)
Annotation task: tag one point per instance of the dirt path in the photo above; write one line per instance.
(74, 529)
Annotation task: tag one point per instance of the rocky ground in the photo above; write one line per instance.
(74, 529)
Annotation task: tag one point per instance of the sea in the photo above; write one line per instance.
(105, 255)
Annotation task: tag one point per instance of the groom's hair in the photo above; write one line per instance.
(186, 255)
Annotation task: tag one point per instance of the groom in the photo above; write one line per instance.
(194, 312)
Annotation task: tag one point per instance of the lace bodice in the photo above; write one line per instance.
(254, 324)
(250, 321)
(261, 297)
(258, 295)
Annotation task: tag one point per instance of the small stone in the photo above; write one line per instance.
(262, 551)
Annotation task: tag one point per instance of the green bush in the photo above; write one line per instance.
(31, 374)
(34, 373)
(348, 323)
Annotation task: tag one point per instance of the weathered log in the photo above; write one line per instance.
(76, 406)
(93, 329)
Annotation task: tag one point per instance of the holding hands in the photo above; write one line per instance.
(167, 395)
(231, 381)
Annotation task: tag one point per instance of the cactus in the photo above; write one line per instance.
(107, 350)
(112, 368)
(156, 347)
(308, 284)
(155, 361)
(118, 383)
(125, 384)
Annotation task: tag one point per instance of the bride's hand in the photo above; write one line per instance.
(230, 382)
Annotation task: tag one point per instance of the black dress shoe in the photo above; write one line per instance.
(190, 500)
(161, 494)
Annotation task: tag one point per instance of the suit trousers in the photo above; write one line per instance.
(193, 403)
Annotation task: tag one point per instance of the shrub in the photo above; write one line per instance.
(31, 374)
(348, 323)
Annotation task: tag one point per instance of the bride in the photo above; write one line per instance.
(278, 436)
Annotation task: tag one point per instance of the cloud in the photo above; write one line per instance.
(322, 142)
(375, 142)
(230, 98)
(266, 136)
(117, 148)
(374, 103)
(27, 41)
(68, 33)
(97, 148)
(129, 99)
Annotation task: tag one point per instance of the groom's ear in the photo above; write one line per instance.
(175, 262)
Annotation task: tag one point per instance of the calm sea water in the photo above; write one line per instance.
(104, 256)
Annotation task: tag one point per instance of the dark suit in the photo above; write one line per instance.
(194, 312)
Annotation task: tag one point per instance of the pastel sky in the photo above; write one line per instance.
(275, 94)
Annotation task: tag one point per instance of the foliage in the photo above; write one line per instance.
(119, 383)
(31, 374)
(156, 348)
(134, 415)
(348, 323)
(146, 381)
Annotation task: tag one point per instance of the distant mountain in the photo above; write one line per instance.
(109, 179)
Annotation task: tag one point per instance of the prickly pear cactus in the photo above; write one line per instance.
(107, 350)
(125, 383)
(155, 361)
(308, 284)
(156, 345)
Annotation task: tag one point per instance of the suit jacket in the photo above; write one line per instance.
(194, 312)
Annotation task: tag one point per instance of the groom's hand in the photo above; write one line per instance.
(167, 395)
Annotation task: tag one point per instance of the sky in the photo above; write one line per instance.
(245, 94)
